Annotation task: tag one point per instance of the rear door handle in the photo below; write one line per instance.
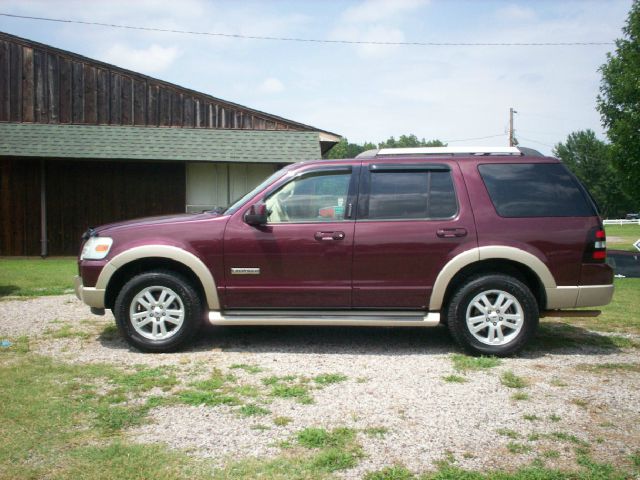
(328, 236)
(451, 232)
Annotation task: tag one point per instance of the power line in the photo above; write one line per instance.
(311, 40)
(475, 138)
(536, 141)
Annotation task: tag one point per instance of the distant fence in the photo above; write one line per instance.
(621, 222)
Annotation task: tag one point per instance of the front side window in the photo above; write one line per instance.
(534, 190)
(316, 197)
(411, 195)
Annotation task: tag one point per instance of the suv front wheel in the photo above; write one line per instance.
(158, 311)
(493, 315)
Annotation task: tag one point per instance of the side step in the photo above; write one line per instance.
(306, 317)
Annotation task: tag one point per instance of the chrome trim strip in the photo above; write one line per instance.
(346, 318)
(245, 271)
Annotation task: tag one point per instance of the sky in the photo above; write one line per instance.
(362, 92)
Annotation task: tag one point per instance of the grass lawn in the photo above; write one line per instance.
(32, 276)
(621, 315)
(68, 421)
(623, 236)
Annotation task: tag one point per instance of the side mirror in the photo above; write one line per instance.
(256, 215)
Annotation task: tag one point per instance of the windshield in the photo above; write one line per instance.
(238, 203)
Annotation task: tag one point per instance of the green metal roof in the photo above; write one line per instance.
(156, 143)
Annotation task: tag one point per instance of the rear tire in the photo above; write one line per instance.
(493, 314)
(158, 311)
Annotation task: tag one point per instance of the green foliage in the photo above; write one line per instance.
(463, 363)
(253, 369)
(282, 421)
(289, 386)
(515, 447)
(313, 437)
(507, 432)
(511, 380)
(376, 431)
(590, 160)
(251, 409)
(619, 99)
(397, 472)
(329, 378)
(520, 396)
(34, 276)
(454, 379)
(344, 149)
(408, 141)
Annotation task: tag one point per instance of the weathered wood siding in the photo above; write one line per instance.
(19, 207)
(46, 85)
(80, 194)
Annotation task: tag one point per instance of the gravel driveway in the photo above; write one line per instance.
(395, 392)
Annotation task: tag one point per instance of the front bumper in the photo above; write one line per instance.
(580, 296)
(94, 297)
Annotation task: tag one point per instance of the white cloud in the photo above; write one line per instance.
(516, 13)
(271, 85)
(377, 10)
(147, 60)
(373, 33)
(374, 21)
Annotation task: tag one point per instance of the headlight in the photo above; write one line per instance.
(96, 248)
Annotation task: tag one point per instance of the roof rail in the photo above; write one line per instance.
(385, 152)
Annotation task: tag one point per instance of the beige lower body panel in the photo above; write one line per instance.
(579, 296)
(94, 297)
(344, 318)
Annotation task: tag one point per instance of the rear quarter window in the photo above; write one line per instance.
(535, 190)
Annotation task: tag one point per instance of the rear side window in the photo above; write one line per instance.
(534, 190)
(411, 195)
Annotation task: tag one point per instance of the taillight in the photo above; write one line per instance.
(596, 250)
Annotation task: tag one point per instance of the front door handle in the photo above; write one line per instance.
(451, 232)
(328, 236)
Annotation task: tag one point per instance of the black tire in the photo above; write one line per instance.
(464, 296)
(185, 293)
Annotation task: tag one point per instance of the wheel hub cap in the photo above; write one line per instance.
(494, 317)
(157, 313)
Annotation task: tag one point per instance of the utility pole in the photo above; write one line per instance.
(511, 136)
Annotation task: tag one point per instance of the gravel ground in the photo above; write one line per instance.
(394, 380)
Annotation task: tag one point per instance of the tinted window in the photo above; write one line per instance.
(312, 198)
(406, 195)
(534, 190)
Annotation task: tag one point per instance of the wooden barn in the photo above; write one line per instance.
(83, 143)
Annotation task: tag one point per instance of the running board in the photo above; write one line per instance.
(306, 317)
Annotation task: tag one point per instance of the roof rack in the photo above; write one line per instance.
(385, 152)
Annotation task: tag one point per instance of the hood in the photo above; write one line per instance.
(159, 220)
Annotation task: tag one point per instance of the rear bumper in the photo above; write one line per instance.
(94, 297)
(580, 296)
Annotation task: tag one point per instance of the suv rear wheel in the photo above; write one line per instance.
(493, 315)
(158, 311)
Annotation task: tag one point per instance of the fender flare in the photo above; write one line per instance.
(477, 254)
(170, 252)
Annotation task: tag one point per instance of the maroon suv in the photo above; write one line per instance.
(483, 240)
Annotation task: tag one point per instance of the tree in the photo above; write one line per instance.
(619, 103)
(344, 149)
(590, 160)
(406, 141)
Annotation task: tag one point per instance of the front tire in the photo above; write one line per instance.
(158, 311)
(493, 315)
